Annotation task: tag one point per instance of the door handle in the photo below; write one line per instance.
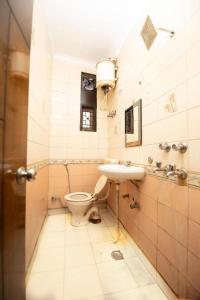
(22, 175)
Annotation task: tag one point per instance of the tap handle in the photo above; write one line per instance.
(181, 147)
(165, 146)
(171, 167)
(158, 164)
(182, 174)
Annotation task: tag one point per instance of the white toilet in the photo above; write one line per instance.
(79, 203)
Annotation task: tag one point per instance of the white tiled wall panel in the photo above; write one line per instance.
(66, 139)
(39, 89)
(171, 66)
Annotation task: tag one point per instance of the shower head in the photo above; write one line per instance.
(171, 32)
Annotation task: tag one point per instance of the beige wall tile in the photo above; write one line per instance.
(36, 209)
(148, 247)
(174, 223)
(194, 238)
(175, 252)
(194, 204)
(167, 270)
(194, 271)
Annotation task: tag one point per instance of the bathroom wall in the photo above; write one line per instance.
(85, 149)
(38, 128)
(168, 224)
(66, 139)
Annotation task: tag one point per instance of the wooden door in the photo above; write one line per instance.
(14, 104)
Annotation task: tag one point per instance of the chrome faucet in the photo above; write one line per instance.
(180, 173)
(165, 146)
(181, 147)
(128, 163)
(158, 167)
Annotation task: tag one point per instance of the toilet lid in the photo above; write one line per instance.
(101, 183)
(78, 197)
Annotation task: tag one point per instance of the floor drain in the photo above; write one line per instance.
(117, 255)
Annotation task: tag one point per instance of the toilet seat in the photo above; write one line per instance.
(81, 197)
(78, 197)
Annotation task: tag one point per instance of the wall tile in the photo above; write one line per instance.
(167, 270)
(194, 205)
(174, 223)
(175, 252)
(194, 238)
(194, 271)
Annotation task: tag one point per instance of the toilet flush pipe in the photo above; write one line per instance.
(117, 186)
(69, 186)
(68, 178)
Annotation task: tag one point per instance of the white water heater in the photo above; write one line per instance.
(106, 75)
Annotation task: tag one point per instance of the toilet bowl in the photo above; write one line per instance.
(80, 203)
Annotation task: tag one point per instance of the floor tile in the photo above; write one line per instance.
(52, 239)
(109, 219)
(92, 225)
(78, 256)
(153, 292)
(115, 276)
(77, 262)
(126, 248)
(82, 283)
(51, 259)
(103, 250)
(45, 286)
(140, 274)
(114, 232)
(54, 223)
(99, 234)
(77, 236)
(150, 292)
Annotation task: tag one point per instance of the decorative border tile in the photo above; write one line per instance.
(38, 165)
(74, 161)
(43, 163)
(193, 179)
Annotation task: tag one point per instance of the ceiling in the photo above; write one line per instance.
(90, 30)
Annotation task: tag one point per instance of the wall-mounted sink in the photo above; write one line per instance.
(120, 173)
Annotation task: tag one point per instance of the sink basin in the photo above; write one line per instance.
(120, 173)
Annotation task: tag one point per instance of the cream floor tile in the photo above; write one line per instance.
(98, 225)
(115, 276)
(49, 259)
(82, 283)
(78, 256)
(114, 232)
(153, 292)
(55, 223)
(150, 292)
(102, 251)
(126, 248)
(100, 234)
(78, 261)
(45, 286)
(108, 219)
(52, 239)
(140, 274)
(77, 236)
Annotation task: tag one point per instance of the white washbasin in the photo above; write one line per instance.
(122, 173)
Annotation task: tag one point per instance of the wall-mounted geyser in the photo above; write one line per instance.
(106, 76)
